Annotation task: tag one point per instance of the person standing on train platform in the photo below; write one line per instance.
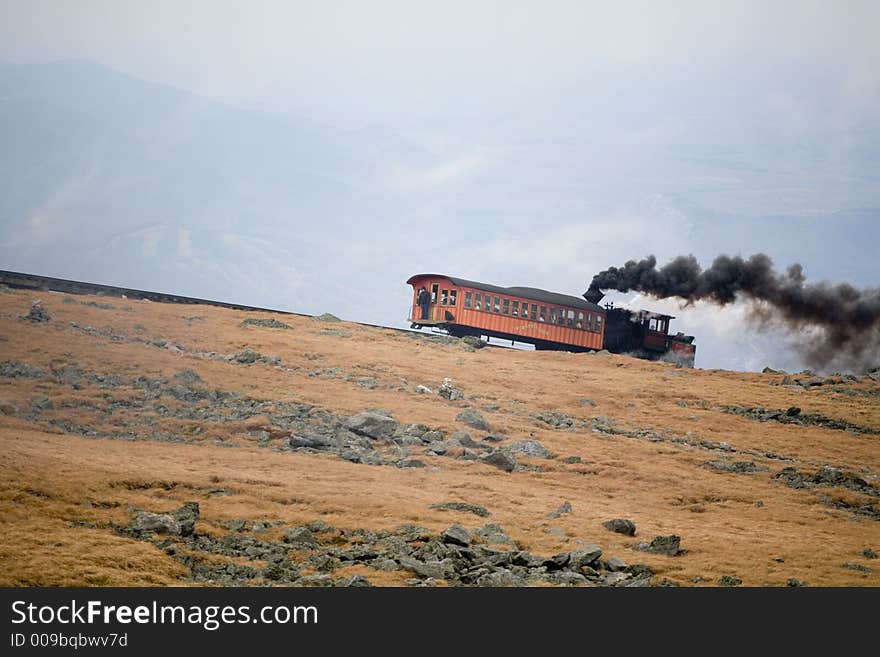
(423, 299)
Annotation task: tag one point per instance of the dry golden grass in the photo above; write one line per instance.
(59, 492)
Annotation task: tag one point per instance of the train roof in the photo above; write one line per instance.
(532, 293)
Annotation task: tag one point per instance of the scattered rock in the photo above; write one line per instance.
(457, 535)
(423, 390)
(554, 419)
(300, 537)
(729, 580)
(159, 523)
(267, 322)
(857, 567)
(615, 564)
(188, 377)
(247, 356)
(584, 556)
(501, 459)
(473, 419)
(474, 342)
(668, 545)
(587, 402)
(464, 507)
(733, 467)
(572, 459)
(528, 447)
(620, 526)
(868, 553)
(793, 582)
(500, 578)
(37, 313)
(564, 508)
(372, 425)
(770, 370)
(15, 369)
(326, 317)
(186, 517)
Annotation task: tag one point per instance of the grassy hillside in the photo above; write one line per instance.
(114, 410)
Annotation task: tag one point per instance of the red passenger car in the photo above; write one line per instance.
(548, 320)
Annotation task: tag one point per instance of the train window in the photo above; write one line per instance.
(652, 324)
(505, 306)
(515, 310)
(444, 297)
(534, 312)
(598, 323)
(477, 300)
(434, 287)
(467, 299)
(580, 322)
(553, 315)
(497, 306)
(453, 297)
(570, 318)
(542, 314)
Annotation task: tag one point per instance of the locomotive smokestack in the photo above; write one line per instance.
(594, 295)
(843, 321)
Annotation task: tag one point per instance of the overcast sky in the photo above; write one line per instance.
(579, 133)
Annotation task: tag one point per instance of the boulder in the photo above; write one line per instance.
(448, 391)
(300, 537)
(186, 517)
(584, 556)
(620, 526)
(160, 523)
(473, 419)
(500, 459)
(529, 447)
(564, 508)
(500, 578)
(372, 425)
(668, 545)
(456, 535)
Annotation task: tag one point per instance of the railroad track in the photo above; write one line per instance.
(23, 281)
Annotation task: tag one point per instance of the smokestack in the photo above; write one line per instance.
(845, 319)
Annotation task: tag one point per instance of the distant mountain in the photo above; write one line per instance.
(119, 180)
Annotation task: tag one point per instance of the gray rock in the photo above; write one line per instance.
(14, 369)
(868, 553)
(474, 341)
(529, 447)
(500, 459)
(567, 578)
(615, 564)
(423, 390)
(564, 508)
(587, 402)
(464, 438)
(492, 534)
(268, 323)
(584, 556)
(620, 526)
(186, 516)
(734, 467)
(431, 569)
(492, 438)
(371, 425)
(456, 535)
(554, 419)
(37, 313)
(793, 582)
(356, 580)
(300, 537)
(473, 419)
(668, 545)
(572, 459)
(857, 567)
(500, 578)
(326, 317)
(321, 579)
(410, 463)
(160, 523)
(246, 356)
(463, 507)
(729, 580)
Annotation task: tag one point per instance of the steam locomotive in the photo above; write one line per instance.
(548, 320)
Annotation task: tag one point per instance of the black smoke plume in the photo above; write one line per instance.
(833, 323)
